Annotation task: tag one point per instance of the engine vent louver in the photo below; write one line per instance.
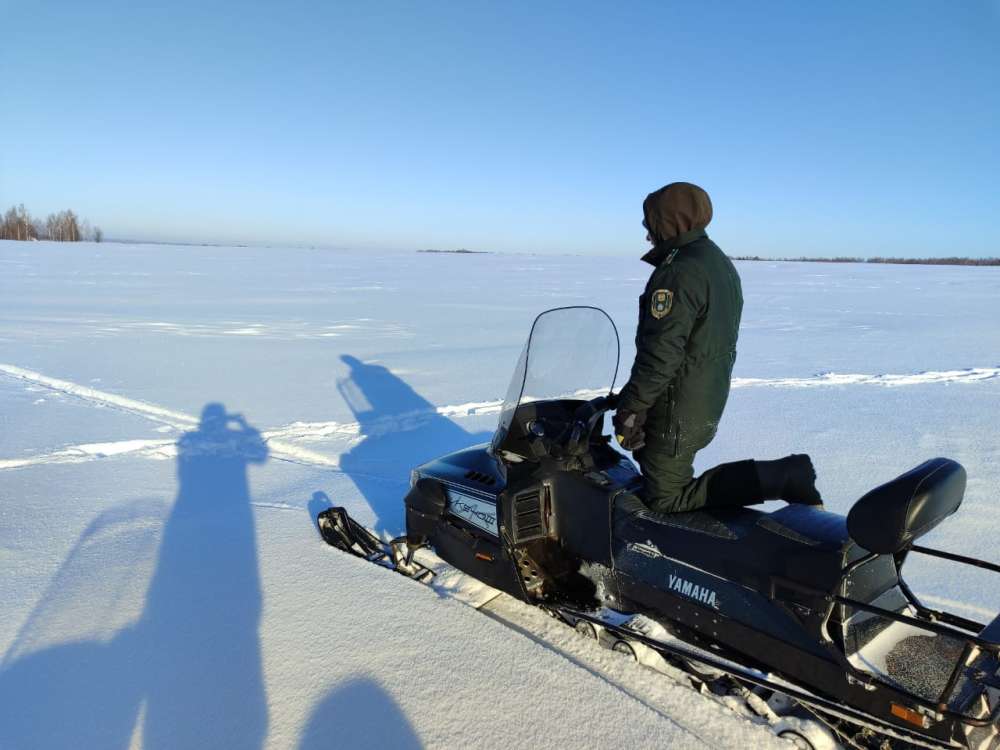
(528, 517)
(478, 476)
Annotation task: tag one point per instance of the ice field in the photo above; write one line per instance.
(147, 606)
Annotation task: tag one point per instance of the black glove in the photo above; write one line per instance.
(628, 429)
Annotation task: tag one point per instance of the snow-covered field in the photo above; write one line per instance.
(157, 594)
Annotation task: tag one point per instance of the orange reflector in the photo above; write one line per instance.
(484, 556)
(911, 716)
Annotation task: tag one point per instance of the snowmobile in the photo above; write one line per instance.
(799, 604)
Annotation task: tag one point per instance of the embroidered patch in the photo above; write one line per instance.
(663, 300)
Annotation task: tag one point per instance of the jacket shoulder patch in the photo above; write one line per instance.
(662, 302)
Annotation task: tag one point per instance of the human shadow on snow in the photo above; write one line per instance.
(400, 430)
(189, 668)
(358, 713)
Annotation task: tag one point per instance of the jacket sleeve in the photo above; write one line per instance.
(661, 343)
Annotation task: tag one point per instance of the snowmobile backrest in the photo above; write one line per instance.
(891, 517)
(991, 633)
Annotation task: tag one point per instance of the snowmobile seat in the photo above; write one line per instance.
(797, 543)
(729, 526)
(802, 544)
(806, 525)
(892, 516)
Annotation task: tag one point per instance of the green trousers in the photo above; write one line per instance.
(671, 486)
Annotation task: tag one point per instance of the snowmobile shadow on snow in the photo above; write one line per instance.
(399, 428)
(184, 667)
(358, 713)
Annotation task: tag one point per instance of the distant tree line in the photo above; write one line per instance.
(460, 251)
(900, 261)
(63, 226)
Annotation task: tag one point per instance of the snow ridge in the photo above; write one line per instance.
(157, 449)
(307, 431)
(75, 454)
(131, 405)
(304, 432)
(971, 375)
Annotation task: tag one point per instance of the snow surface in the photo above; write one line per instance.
(163, 585)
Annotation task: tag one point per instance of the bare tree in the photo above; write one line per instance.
(7, 230)
(17, 225)
(52, 227)
(72, 227)
(64, 226)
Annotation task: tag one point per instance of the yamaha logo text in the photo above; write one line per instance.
(694, 591)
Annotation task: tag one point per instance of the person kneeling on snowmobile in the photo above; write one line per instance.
(689, 319)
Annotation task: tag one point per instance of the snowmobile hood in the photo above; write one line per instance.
(676, 214)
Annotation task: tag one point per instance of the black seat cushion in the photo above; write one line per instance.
(806, 525)
(891, 517)
(746, 546)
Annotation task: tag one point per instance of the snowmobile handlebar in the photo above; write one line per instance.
(577, 435)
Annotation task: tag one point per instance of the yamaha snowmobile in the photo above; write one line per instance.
(798, 603)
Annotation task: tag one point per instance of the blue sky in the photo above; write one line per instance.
(848, 128)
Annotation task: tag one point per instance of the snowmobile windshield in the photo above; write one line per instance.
(571, 355)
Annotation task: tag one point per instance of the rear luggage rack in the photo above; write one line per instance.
(967, 681)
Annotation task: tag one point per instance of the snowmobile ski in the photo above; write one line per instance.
(339, 530)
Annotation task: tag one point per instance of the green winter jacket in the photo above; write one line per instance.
(689, 318)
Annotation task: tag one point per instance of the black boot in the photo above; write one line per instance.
(791, 479)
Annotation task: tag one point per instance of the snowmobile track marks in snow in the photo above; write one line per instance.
(283, 440)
